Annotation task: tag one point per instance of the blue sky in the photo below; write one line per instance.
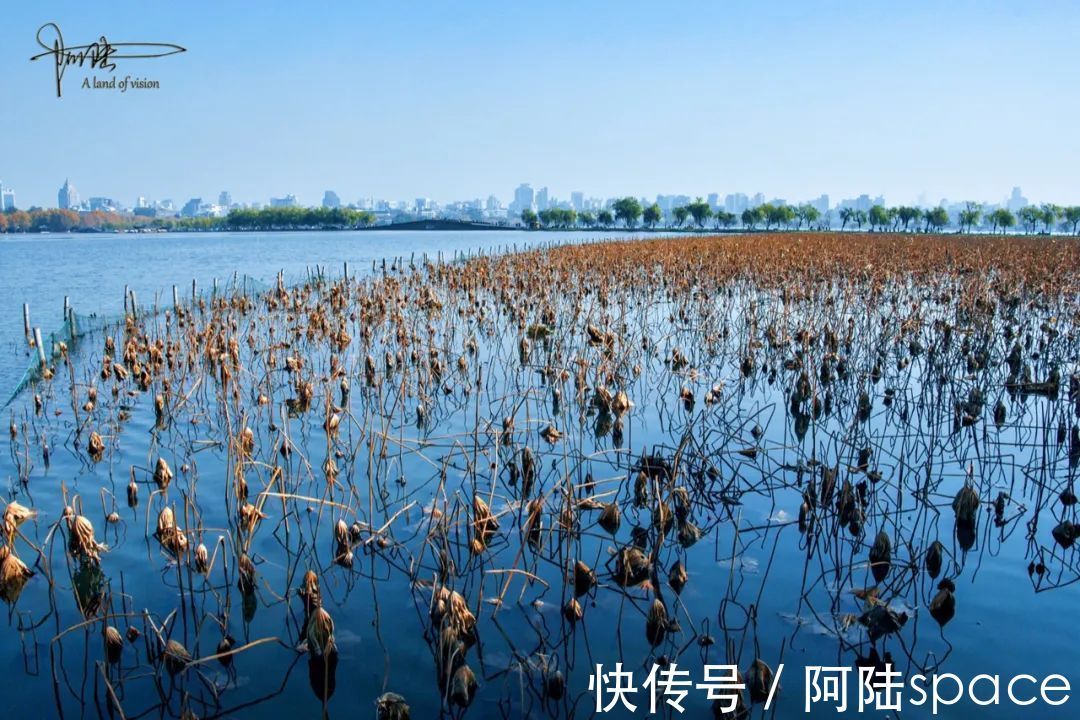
(461, 99)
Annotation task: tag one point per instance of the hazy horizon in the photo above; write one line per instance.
(961, 100)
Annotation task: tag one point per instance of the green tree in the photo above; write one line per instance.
(605, 218)
(1002, 218)
(749, 218)
(530, 219)
(806, 213)
(970, 216)
(1072, 217)
(767, 214)
(724, 219)
(1050, 214)
(860, 218)
(907, 215)
(1030, 217)
(878, 217)
(652, 215)
(627, 210)
(846, 215)
(700, 211)
(681, 214)
(935, 218)
(587, 219)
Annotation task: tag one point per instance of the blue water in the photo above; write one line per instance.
(753, 580)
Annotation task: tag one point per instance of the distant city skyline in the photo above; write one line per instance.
(523, 197)
(962, 100)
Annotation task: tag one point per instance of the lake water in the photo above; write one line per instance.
(94, 269)
(755, 581)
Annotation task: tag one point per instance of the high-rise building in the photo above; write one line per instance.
(542, 199)
(68, 197)
(577, 200)
(103, 204)
(821, 204)
(224, 199)
(736, 203)
(7, 199)
(330, 199)
(758, 199)
(523, 199)
(1016, 200)
(287, 201)
(714, 201)
(191, 207)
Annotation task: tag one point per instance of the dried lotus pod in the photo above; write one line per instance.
(391, 706)
(584, 579)
(163, 474)
(95, 445)
(320, 633)
(114, 644)
(463, 687)
(82, 543)
(677, 577)
(610, 518)
(176, 657)
(656, 623)
(573, 611)
(13, 574)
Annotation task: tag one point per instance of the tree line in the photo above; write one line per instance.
(274, 218)
(628, 212)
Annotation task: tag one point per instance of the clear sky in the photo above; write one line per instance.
(462, 99)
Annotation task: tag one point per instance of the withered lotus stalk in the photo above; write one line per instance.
(202, 559)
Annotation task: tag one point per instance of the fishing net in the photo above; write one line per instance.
(77, 326)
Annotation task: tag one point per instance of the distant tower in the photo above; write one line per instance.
(68, 197)
(224, 199)
(523, 199)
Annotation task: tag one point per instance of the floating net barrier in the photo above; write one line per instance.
(52, 347)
